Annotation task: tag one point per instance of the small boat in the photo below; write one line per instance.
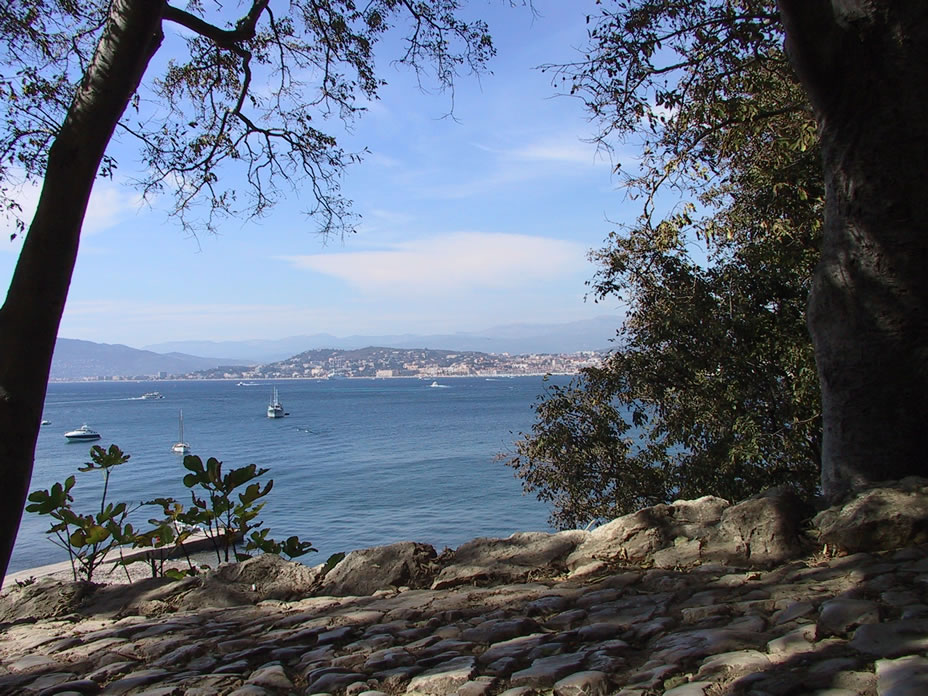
(435, 385)
(46, 422)
(180, 447)
(152, 395)
(274, 408)
(82, 433)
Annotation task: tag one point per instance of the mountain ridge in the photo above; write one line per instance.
(569, 337)
(80, 359)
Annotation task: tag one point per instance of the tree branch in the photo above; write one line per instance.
(225, 38)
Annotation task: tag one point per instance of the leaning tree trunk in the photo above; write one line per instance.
(864, 66)
(32, 311)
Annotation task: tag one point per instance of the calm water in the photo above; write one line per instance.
(357, 463)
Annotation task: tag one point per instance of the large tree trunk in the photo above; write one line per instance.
(865, 66)
(32, 311)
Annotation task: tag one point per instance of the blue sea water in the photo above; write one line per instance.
(357, 463)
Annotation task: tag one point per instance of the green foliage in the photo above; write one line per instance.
(224, 520)
(224, 512)
(249, 85)
(712, 388)
(88, 538)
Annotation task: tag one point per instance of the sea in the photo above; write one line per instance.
(355, 463)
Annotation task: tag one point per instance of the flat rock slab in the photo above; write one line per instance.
(892, 639)
(590, 683)
(545, 671)
(445, 678)
(906, 676)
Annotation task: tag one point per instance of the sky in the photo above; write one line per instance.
(466, 223)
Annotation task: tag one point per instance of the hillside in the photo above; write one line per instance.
(74, 359)
(570, 337)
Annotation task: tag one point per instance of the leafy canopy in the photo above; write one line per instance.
(712, 388)
(252, 84)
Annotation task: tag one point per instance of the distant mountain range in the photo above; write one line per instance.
(588, 334)
(75, 359)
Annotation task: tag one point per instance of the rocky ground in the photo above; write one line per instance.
(698, 597)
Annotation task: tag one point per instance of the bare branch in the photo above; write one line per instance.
(244, 30)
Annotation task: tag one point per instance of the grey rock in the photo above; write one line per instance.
(545, 671)
(366, 571)
(733, 663)
(601, 631)
(271, 676)
(34, 663)
(635, 537)
(759, 531)
(513, 559)
(249, 690)
(591, 683)
(443, 679)
(892, 639)
(389, 658)
(567, 619)
(906, 676)
(879, 519)
(499, 630)
(475, 688)
(550, 604)
(514, 648)
(134, 680)
(85, 687)
(796, 610)
(837, 617)
(691, 689)
(797, 641)
(332, 681)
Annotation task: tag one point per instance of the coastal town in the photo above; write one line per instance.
(378, 363)
(396, 362)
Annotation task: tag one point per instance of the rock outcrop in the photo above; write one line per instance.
(697, 597)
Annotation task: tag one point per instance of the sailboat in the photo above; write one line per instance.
(181, 447)
(274, 409)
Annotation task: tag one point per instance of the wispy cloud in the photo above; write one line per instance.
(109, 205)
(561, 149)
(450, 263)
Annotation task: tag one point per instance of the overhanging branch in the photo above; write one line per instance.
(225, 38)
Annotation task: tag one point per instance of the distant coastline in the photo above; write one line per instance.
(365, 363)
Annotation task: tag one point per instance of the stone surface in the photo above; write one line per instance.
(880, 519)
(592, 683)
(811, 623)
(514, 559)
(364, 572)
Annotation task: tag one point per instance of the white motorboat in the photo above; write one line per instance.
(180, 447)
(82, 433)
(152, 395)
(274, 408)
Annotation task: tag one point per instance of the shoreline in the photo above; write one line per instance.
(128, 380)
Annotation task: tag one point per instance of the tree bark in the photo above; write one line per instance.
(864, 66)
(30, 316)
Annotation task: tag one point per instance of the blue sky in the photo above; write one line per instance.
(467, 223)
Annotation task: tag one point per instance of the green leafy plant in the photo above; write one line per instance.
(166, 538)
(88, 538)
(227, 522)
(225, 510)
